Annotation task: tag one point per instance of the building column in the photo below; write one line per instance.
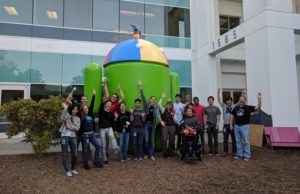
(270, 59)
(204, 29)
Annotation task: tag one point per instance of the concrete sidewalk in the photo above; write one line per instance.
(16, 146)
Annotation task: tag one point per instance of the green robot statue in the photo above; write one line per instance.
(127, 63)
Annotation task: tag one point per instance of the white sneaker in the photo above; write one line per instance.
(145, 157)
(152, 158)
(69, 174)
(74, 172)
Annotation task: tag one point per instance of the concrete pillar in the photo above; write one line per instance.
(204, 29)
(270, 59)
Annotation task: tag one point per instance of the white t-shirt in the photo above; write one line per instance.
(179, 108)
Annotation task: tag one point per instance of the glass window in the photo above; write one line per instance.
(14, 66)
(78, 14)
(46, 68)
(227, 23)
(43, 91)
(16, 11)
(296, 6)
(48, 12)
(183, 69)
(98, 59)
(185, 91)
(131, 13)
(73, 68)
(155, 19)
(106, 15)
(233, 22)
(236, 96)
(77, 95)
(11, 95)
(225, 94)
(178, 22)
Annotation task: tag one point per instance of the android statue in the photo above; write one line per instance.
(127, 63)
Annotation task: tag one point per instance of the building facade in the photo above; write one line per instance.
(228, 44)
(261, 53)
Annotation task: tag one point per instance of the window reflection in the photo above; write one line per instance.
(178, 22)
(42, 91)
(106, 15)
(14, 66)
(16, 11)
(46, 68)
(78, 14)
(48, 12)
(183, 69)
(155, 19)
(131, 13)
(73, 68)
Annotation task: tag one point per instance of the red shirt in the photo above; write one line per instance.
(198, 110)
(114, 107)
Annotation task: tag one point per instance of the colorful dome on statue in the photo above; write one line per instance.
(136, 50)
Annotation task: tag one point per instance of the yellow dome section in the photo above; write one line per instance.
(151, 52)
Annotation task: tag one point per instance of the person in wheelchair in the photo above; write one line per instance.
(189, 129)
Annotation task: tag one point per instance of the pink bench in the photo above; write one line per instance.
(282, 136)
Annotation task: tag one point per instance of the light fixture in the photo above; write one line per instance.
(11, 10)
(52, 15)
(134, 13)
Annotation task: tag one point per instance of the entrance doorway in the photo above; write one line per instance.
(8, 93)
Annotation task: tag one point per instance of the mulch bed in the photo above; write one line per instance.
(276, 171)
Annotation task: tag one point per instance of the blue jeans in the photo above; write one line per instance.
(67, 141)
(85, 139)
(241, 133)
(149, 131)
(123, 142)
(137, 138)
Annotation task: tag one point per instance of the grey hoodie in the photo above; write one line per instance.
(71, 124)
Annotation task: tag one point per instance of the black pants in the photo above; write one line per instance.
(212, 133)
(185, 145)
(178, 138)
(226, 133)
(201, 134)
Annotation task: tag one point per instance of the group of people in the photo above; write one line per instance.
(139, 125)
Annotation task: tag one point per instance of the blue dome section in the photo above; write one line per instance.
(124, 51)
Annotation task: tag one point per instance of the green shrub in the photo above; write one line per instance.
(39, 121)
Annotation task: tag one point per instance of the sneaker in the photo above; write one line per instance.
(210, 153)
(105, 162)
(69, 174)
(217, 154)
(87, 167)
(122, 161)
(152, 158)
(236, 157)
(140, 159)
(127, 158)
(74, 172)
(246, 159)
(99, 165)
(135, 159)
(146, 157)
